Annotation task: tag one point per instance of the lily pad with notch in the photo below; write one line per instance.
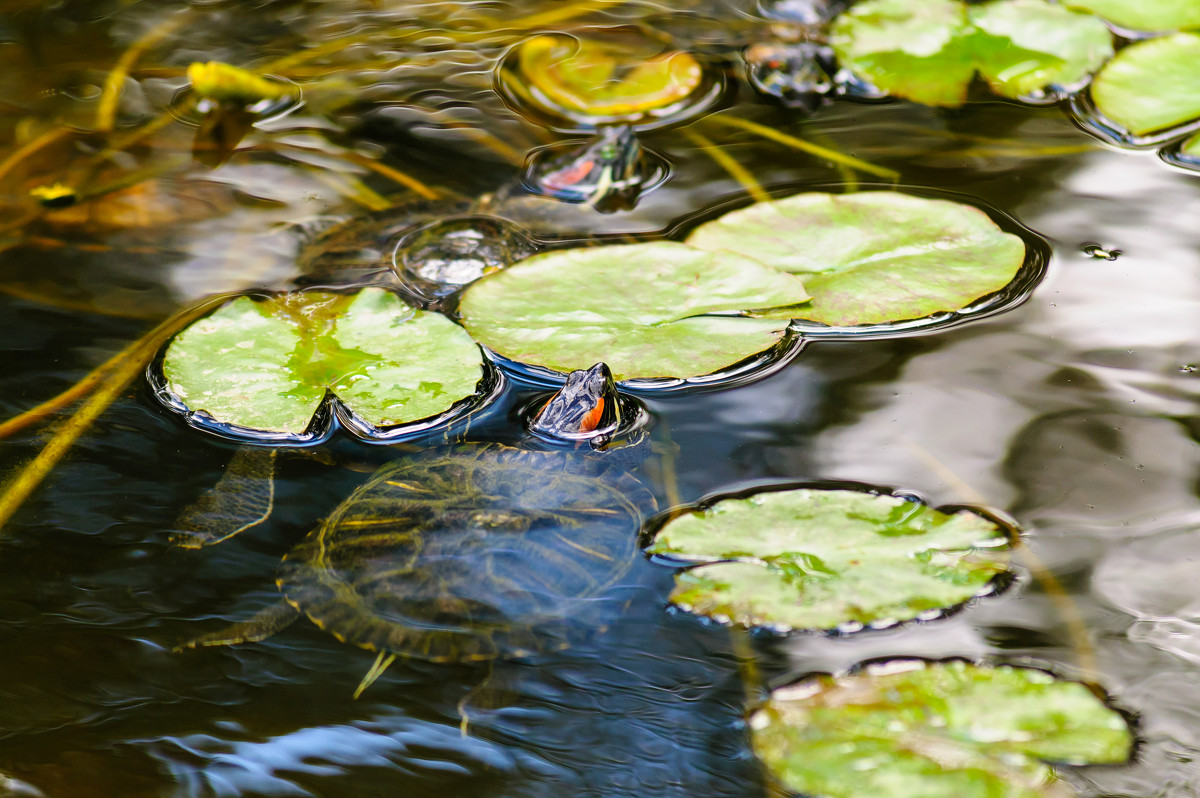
(877, 261)
(912, 729)
(929, 52)
(282, 368)
(830, 559)
(653, 311)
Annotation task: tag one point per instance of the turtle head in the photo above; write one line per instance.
(588, 406)
(608, 172)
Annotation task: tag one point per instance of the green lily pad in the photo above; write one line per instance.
(1144, 15)
(1022, 46)
(873, 257)
(823, 559)
(910, 729)
(656, 310)
(1151, 85)
(918, 51)
(1191, 147)
(929, 52)
(267, 365)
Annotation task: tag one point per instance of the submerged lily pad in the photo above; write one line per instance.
(911, 729)
(929, 51)
(822, 559)
(1151, 85)
(1146, 15)
(873, 257)
(266, 366)
(613, 75)
(656, 310)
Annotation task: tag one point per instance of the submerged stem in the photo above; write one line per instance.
(1066, 606)
(735, 169)
(106, 112)
(806, 146)
(124, 368)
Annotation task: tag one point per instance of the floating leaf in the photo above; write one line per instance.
(660, 309)
(919, 51)
(594, 78)
(266, 365)
(928, 52)
(820, 559)
(1151, 85)
(873, 257)
(942, 730)
(1146, 15)
(1022, 46)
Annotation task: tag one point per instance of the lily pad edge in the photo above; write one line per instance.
(997, 585)
(1028, 277)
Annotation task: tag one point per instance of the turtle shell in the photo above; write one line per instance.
(470, 553)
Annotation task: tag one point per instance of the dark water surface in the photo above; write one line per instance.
(1077, 413)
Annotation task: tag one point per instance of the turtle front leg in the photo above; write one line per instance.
(265, 623)
(243, 498)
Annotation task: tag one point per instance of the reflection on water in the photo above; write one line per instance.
(1076, 412)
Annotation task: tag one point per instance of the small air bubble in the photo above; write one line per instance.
(1100, 253)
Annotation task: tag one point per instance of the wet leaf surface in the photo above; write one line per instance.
(952, 730)
(1151, 85)
(266, 365)
(647, 310)
(873, 257)
(821, 559)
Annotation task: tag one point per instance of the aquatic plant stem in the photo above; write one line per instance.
(735, 169)
(106, 111)
(805, 146)
(77, 391)
(1068, 610)
(393, 174)
(30, 147)
(130, 363)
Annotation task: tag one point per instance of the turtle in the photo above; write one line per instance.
(471, 552)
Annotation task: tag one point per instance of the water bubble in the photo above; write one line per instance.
(439, 258)
(1101, 253)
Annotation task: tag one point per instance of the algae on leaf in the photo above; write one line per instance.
(652, 310)
(873, 257)
(1144, 15)
(823, 559)
(911, 729)
(1151, 85)
(267, 365)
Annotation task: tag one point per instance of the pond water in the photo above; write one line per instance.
(1077, 413)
